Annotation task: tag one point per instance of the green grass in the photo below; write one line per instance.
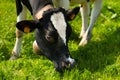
(98, 60)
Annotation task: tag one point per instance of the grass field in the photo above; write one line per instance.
(98, 60)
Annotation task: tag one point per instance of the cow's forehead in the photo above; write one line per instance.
(59, 22)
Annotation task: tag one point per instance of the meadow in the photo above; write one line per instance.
(98, 60)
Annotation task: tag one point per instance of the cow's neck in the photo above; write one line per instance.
(39, 14)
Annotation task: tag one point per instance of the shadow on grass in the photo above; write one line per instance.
(96, 55)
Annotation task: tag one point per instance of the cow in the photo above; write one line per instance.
(52, 31)
(86, 29)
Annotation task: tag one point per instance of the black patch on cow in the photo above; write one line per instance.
(18, 6)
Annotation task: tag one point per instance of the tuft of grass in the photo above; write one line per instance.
(98, 60)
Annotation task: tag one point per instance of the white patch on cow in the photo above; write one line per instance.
(70, 60)
(23, 14)
(17, 46)
(59, 24)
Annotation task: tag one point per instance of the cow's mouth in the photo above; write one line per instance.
(68, 64)
(64, 65)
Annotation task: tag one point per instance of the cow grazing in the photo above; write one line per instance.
(85, 10)
(52, 30)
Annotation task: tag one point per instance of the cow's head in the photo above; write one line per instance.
(52, 33)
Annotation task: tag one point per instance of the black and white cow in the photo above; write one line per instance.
(85, 11)
(52, 30)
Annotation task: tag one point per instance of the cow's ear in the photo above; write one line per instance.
(27, 26)
(71, 14)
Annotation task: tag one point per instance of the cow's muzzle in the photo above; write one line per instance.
(65, 64)
(69, 63)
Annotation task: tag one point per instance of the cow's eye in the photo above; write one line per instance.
(50, 39)
(51, 36)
